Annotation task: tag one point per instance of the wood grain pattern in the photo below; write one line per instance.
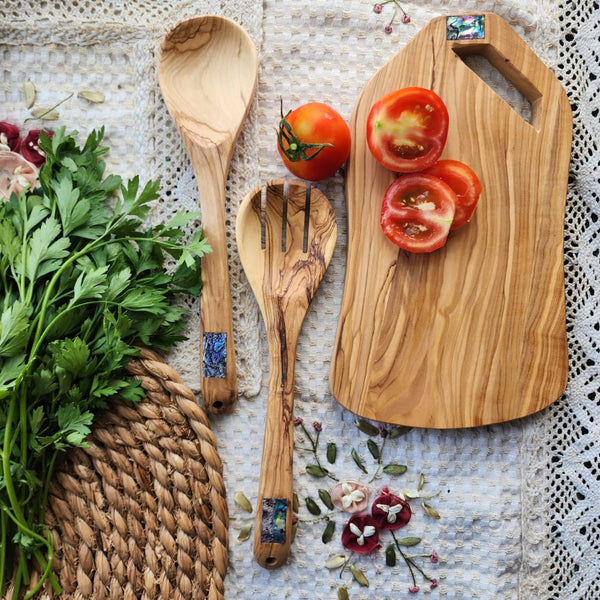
(473, 333)
(207, 72)
(284, 284)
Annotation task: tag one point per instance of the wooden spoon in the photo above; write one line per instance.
(284, 281)
(207, 71)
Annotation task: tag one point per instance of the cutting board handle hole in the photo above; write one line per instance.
(499, 74)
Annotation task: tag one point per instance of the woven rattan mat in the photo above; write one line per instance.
(141, 513)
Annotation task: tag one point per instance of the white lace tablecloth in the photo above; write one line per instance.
(519, 502)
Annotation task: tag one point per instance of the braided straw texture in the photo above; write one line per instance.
(142, 512)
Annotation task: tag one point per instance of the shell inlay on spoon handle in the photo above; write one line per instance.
(207, 72)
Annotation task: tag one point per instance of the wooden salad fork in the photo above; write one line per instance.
(286, 232)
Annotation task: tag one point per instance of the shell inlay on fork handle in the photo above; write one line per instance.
(286, 233)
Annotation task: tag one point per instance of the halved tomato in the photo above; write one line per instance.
(465, 183)
(417, 211)
(407, 129)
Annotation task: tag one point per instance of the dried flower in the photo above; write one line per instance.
(413, 589)
(390, 511)
(433, 584)
(378, 8)
(10, 137)
(360, 534)
(317, 426)
(298, 421)
(30, 147)
(16, 174)
(350, 496)
(433, 557)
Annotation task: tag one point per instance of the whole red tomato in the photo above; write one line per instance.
(407, 129)
(313, 141)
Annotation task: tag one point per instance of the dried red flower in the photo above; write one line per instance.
(10, 136)
(360, 534)
(30, 148)
(390, 511)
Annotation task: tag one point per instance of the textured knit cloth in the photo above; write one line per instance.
(519, 503)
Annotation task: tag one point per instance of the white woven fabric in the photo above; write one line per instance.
(518, 501)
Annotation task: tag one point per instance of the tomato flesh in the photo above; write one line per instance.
(417, 212)
(316, 123)
(407, 129)
(465, 184)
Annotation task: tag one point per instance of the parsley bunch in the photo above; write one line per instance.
(82, 283)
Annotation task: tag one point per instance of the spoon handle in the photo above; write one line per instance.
(273, 524)
(218, 369)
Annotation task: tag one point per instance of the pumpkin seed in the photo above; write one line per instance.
(430, 511)
(342, 593)
(91, 96)
(243, 502)
(29, 90)
(335, 562)
(48, 114)
(245, 532)
(359, 576)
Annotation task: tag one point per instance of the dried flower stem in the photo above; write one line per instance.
(410, 562)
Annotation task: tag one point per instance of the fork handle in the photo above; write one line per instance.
(273, 523)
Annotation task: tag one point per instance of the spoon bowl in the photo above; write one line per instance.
(207, 71)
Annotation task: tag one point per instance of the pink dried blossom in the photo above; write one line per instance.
(413, 589)
(350, 496)
(16, 174)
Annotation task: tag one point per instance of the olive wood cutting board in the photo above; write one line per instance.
(473, 333)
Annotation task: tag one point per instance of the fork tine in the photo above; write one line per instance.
(286, 185)
(306, 217)
(263, 217)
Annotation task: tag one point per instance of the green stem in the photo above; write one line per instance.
(15, 505)
(3, 546)
(379, 461)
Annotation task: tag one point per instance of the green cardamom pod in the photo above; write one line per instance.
(312, 506)
(393, 469)
(326, 498)
(366, 427)
(328, 532)
(373, 449)
(316, 471)
(331, 452)
(359, 576)
(359, 463)
(390, 556)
